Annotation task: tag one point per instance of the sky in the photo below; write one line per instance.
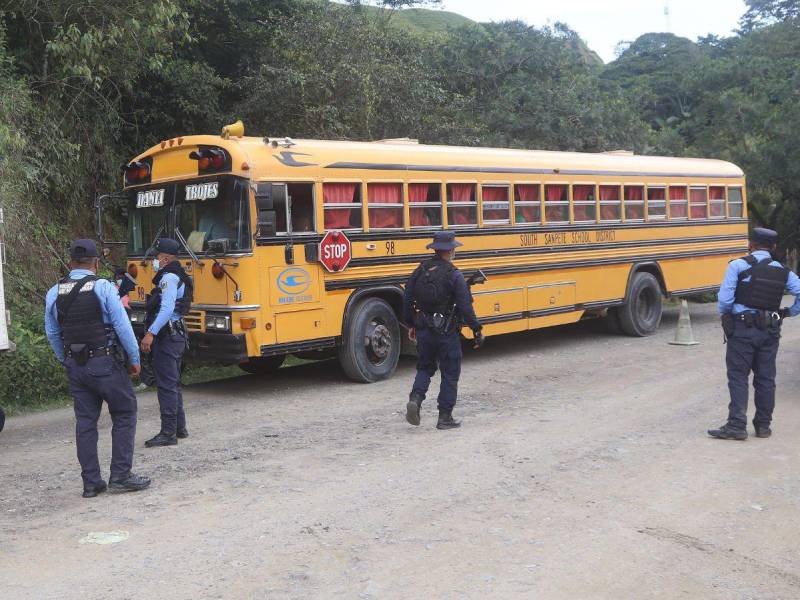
(605, 23)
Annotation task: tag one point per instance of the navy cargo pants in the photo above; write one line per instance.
(102, 379)
(751, 349)
(168, 351)
(442, 351)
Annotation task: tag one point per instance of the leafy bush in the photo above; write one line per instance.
(30, 377)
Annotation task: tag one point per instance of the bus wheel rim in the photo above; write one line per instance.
(378, 342)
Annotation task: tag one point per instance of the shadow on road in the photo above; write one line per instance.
(312, 375)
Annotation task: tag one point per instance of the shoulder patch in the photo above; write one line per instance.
(162, 284)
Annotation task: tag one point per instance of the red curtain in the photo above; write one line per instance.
(556, 193)
(527, 193)
(495, 194)
(418, 192)
(462, 215)
(656, 193)
(634, 192)
(609, 212)
(385, 218)
(385, 193)
(716, 193)
(462, 192)
(338, 193)
(338, 218)
(677, 193)
(582, 193)
(609, 192)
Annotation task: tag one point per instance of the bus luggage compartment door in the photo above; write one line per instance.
(551, 304)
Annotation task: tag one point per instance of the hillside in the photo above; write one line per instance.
(430, 21)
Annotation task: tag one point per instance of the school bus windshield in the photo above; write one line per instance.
(202, 211)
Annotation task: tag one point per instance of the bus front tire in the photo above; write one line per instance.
(262, 365)
(641, 314)
(371, 342)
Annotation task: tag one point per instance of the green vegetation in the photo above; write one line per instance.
(86, 85)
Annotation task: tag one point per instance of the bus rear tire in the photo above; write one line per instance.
(371, 342)
(641, 314)
(262, 365)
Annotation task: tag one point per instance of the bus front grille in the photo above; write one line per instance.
(194, 321)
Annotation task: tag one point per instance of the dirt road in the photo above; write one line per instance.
(582, 471)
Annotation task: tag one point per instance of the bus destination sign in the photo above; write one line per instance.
(150, 198)
(202, 191)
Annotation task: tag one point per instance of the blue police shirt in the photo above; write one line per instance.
(171, 290)
(113, 314)
(727, 291)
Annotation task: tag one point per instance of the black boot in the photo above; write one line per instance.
(162, 439)
(446, 420)
(130, 483)
(762, 431)
(726, 432)
(94, 490)
(182, 433)
(412, 408)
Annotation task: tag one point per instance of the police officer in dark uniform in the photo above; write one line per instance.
(88, 330)
(435, 302)
(750, 304)
(167, 304)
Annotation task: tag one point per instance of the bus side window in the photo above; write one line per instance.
(425, 204)
(735, 202)
(302, 207)
(342, 203)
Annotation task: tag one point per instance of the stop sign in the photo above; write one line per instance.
(335, 251)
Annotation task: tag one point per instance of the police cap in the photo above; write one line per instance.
(83, 249)
(761, 235)
(444, 240)
(167, 246)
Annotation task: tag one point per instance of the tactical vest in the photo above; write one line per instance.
(764, 290)
(182, 305)
(79, 313)
(433, 290)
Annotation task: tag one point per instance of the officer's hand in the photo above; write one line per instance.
(412, 334)
(479, 339)
(147, 342)
(134, 370)
(784, 313)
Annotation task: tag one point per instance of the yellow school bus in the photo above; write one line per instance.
(561, 236)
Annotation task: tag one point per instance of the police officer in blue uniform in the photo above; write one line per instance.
(167, 304)
(750, 304)
(86, 324)
(435, 302)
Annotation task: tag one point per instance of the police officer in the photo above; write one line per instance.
(85, 325)
(167, 304)
(750, 304)
(436, 300)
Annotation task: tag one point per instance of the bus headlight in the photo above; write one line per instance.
(218, 322)
(138, 317)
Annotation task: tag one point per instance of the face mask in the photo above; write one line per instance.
(156, 265)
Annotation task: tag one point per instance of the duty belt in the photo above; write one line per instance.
(91, 352)
(763, 319)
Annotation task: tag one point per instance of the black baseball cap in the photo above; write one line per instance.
(83, 249)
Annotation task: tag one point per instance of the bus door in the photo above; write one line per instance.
(294, 280)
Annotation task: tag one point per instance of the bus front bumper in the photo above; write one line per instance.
(226, 348)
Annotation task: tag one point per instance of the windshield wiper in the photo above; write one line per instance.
(185, 244)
